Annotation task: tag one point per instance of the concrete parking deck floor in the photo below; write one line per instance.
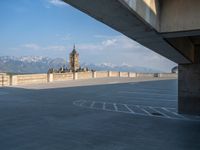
(124, 114)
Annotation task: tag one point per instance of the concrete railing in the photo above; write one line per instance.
(102, 74)
(29, 79)
(84, 75)
(61, 76)
(6, 80)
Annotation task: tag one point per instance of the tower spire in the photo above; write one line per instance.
(74, 47)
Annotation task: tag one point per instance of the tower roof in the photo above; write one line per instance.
(74, 50)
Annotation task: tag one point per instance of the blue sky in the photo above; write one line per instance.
(51, 27)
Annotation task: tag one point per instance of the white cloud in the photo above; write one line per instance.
(110, 42)
(31, 46)
(57, 2)
(116, 43)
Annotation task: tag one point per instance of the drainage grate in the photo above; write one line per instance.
(156, 114)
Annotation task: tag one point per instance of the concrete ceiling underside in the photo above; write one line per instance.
(119, 17)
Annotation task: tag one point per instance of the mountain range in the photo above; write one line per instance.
(39, 64)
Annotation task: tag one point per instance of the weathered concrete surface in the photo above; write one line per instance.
(148, 10)
(165, 27)
(62, 76)
(144, 21)
(85, 75)
(123, 74)
(122, 16)
(44, 117)
(189, 89)
(179, 15)
(29, 79)
(101, 74)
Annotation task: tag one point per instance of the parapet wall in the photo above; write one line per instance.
(84, 75)
(63, 76)
(28, 79)
(102, 74)
(6, 80)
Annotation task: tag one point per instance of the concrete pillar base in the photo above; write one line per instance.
(109, 73)
(50, 77)
(75, 75)
(13, 80)
(189, 89)
(94, 74)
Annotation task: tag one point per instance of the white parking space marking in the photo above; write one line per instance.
(144, 110)
(128, 108)
(104, 105)
(148, 110)
(82, 102)
(173, 113)
(92, 104)
(115, 106)
(159, 112)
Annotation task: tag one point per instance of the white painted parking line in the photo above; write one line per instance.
(129, 109)
(144, 110)
(82, 102)
(172, 112)
(92, 104)
(77, 102)
(104, 106)
(115, 106)
(159, 112)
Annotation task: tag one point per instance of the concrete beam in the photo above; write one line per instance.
(120, 15)
(179, 15)
(185, 46)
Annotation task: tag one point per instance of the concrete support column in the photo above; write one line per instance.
(50, 77)
(75, 75)
(189, 89)
(94, 74)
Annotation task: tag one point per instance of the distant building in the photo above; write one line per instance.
(74, 60)
(74, 65)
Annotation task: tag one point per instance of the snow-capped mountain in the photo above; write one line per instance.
(123, 67)
(29, 64)
(39, 64)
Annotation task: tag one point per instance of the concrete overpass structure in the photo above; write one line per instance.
(168, 27)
